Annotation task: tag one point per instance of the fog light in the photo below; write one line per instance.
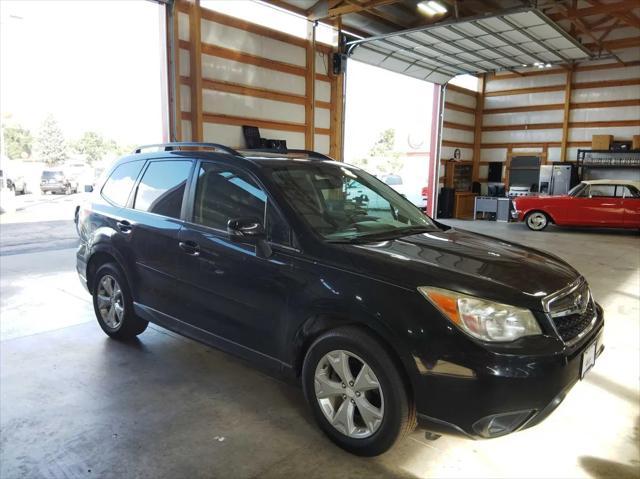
(501, 424)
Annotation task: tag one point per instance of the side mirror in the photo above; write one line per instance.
(249, 231)
(88, 188)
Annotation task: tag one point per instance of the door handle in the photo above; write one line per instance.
(124, 226)
(190, 247)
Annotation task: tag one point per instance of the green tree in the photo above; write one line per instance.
(50, 144)
(388, 161)
(92, 145)
(18, 141)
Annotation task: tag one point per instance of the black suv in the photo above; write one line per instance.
(318, 271)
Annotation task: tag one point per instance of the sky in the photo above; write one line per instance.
(94, 65)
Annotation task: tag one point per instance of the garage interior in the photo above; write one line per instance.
(556, 81)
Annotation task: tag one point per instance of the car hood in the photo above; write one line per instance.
(466, 262)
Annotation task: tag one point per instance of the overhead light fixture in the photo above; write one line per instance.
(431, 8)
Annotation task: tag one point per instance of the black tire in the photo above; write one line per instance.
(130, 325)
(399, 417)
(537, 220)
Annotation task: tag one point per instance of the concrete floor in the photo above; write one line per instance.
(74, 403)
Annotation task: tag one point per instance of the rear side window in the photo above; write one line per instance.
(118, 186)
(162, 186)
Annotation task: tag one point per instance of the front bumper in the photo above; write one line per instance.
(510, 394)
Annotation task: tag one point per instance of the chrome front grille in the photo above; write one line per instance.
(572, 311)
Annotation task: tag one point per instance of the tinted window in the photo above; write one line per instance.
(278, 230)
(223, 193)
(52, 174)
(118, 186)
(161, 188)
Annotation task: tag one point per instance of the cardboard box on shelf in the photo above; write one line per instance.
(601, 142)
(636, 142)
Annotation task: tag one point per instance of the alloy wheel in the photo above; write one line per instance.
(349, 394)
(110, 301)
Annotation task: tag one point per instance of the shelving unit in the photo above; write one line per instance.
(604, 159)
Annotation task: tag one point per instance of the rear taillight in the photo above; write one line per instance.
(425, 191)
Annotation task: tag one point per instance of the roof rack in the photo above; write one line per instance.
(311, 154)
(177, 145)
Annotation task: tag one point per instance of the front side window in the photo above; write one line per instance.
(161, 188)
(346, 204)
(224, 192)
(118, 186)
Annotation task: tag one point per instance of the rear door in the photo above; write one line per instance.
(631, 202)
(152, 224)
(228, 289)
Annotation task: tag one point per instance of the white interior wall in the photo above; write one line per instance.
(240, 73)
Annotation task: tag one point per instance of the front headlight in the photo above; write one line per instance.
(483, 319)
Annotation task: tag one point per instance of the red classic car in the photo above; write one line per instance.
(600, 203)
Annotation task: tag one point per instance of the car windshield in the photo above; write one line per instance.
(51, 174)
(577, 190)
(346, 204)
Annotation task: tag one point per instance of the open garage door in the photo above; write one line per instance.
(484, 44)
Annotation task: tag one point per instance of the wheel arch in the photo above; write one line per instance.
(100, 255)
(315, 326)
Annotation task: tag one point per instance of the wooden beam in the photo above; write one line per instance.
(357, 7)
(626, 16)
(577, 22)
(195, 60)
(457, 144)
(557, 71)
(605, 104)
(309, 88)
(521, 109)
(523, 126)
(457, 126)
(619, 44)
(239, 89)
(464, 109)
(464, 91)
(589, 11)
(606, 83)
(177, 100)
(236, 55)
(535, 144)
(521, 91)
(260, 123)
(565, 116)
(477, 135)
(337, 112)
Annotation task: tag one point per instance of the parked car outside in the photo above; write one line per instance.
(413, 192)
(58, 181)
(17, 184)
(387, 318)
(7, 200)
(593, 203)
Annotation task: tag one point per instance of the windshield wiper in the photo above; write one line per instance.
(384, 235)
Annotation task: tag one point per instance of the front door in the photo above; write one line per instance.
(230, 290)
(597, 206)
